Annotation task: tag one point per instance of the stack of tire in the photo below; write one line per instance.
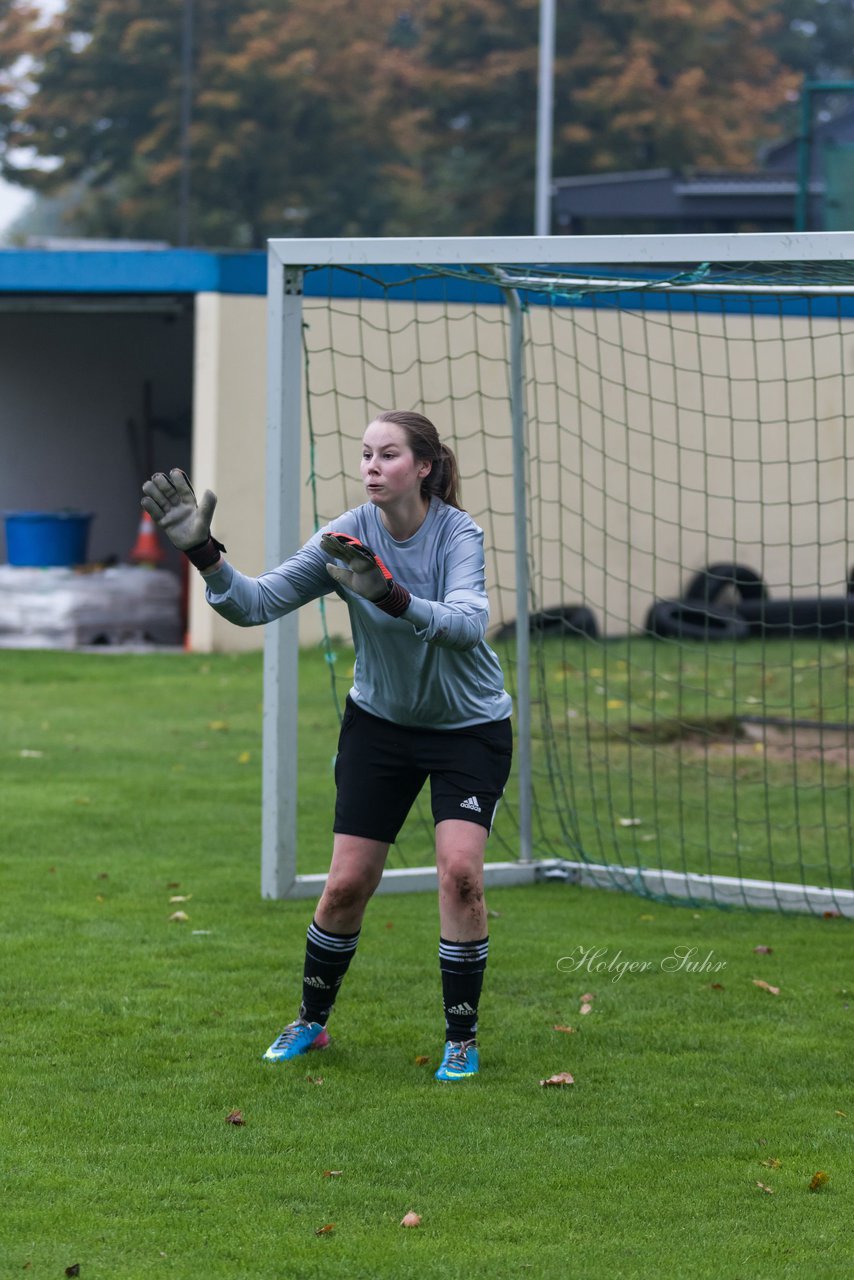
(567, 620)
(731, 602)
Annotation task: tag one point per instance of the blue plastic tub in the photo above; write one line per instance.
(45, 539)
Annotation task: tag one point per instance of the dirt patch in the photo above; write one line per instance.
(783, 743)
(775, 740)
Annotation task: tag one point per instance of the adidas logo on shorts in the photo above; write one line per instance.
(472, 804)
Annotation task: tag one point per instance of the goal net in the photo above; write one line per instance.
(653, 435)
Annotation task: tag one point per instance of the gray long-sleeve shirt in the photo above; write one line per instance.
(430, 667)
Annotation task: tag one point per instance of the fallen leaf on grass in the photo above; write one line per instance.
(716, 986)
(766, 986)
(173, 884)
(244, 757)
(832, 915)
(772, 1163)
(324, 1231)
(629, 822)
(421, 1060)
(235, 1117)
(180, 897)
(763, 951)
(561, 1078)
(411, 1220)
(585, 1008)
(314, 1079)
(762, 1185)
(178, 917)
(332, 1173)
(818, 1181)
(569, 1030)
(26, 754)
(218, 726)
(103, 875)
(99, 897)
(844, 1114)
(73, 1270)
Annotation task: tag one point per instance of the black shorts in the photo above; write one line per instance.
(381, 767)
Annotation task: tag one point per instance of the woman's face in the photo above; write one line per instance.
(389, 468)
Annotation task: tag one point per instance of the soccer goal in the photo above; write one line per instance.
(653, 433)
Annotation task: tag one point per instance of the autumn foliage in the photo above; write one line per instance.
(347, 117)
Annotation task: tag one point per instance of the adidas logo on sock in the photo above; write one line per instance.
(465, 1009)
(313, 981)
(471, 803)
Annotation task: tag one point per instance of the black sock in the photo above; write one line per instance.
(462, 965)
(327, 958)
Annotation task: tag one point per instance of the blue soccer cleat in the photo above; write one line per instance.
(298, 1037)
(460, 1060)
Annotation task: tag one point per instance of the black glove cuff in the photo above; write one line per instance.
(204, 554)
(396, 602)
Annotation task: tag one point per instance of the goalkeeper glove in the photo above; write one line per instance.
(365, 575)
(171, 503)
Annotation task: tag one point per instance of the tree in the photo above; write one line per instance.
(346, 117)
(19, 40)
(473, 170)
(816, 38)
(299, 112)
(672, 83)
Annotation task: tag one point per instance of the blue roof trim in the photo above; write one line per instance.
(140, 271)
(191, 271)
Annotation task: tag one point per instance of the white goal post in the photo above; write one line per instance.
(287, 261)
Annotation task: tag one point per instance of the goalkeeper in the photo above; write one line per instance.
(427, 701)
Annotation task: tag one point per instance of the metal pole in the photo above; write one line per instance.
(804, 159)
(545, 118)
(802, 210)
(282, 529)
(523, 635)
(186, 115)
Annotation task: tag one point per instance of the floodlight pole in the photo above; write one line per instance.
(545, 118)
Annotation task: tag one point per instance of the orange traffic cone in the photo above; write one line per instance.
(147, 548)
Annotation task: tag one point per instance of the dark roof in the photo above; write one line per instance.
(667, 194)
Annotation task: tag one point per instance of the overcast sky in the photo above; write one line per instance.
(12, 201)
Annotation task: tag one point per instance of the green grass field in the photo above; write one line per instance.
(692, 739)
(128, 1039)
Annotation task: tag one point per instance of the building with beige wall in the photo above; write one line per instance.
(660, 441)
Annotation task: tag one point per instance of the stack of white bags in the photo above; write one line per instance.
(64, 609)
